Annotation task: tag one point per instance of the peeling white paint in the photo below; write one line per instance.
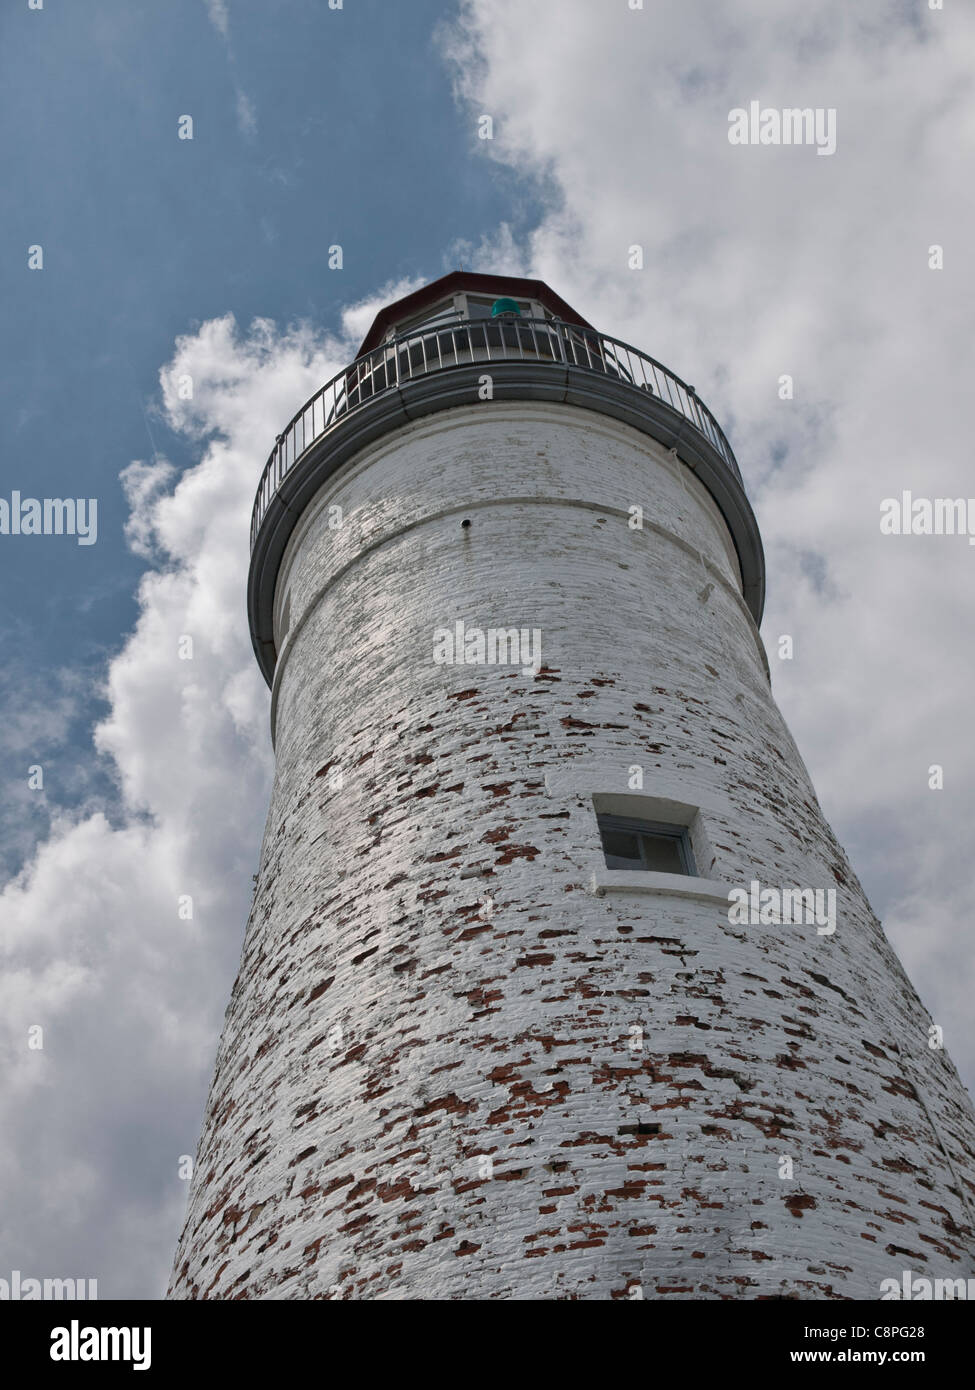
(387, 1041)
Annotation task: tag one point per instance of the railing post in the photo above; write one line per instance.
(560, 340)
(603, 354)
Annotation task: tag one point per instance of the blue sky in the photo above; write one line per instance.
(309, 129)
(358, 127)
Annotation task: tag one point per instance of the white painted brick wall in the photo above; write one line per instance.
(350, 1168)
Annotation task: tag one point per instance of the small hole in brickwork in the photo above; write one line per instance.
(465, 523)
(638, 1129)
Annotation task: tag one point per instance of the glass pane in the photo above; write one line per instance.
(662, 854)
(434, 315)
(623, 848)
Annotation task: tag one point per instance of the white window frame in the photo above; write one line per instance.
(593, 789)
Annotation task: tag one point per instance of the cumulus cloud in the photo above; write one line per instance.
(99, 950)
(41, 713)
(357, 318)
(761, 262)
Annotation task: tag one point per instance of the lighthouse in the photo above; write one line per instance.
(556, 983)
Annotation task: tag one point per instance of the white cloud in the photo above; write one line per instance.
(129, 995)
(142, 484)
(761, 261)
(218, 15)
(496, 252)
(41, 708)
(357, 318)
(246, 114)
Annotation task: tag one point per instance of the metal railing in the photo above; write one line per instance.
(458, 345)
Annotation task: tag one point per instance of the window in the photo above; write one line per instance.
(646, 846)
(440, 315)
(480, 308)
(458, 309)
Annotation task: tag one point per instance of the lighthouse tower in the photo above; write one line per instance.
(556, 983)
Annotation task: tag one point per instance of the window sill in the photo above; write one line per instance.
(644, 881)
